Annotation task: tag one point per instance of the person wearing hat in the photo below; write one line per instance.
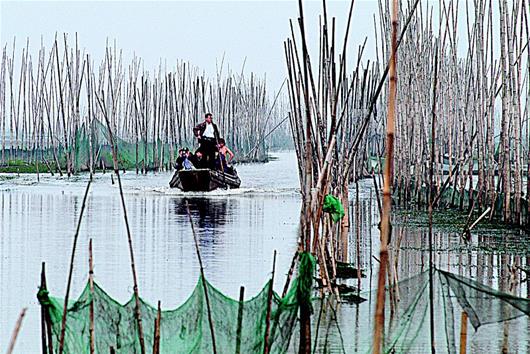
(183, 161)
(180, 160)
(207, 135)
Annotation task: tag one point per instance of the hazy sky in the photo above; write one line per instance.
(200, 32)
(196, 31)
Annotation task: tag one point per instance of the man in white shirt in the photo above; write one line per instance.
(208, 135)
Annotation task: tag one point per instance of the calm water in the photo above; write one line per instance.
(238, 233)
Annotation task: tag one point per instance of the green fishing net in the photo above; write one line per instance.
(185, 329)
(336, 328)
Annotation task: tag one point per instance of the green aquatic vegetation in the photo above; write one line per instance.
(6, 177)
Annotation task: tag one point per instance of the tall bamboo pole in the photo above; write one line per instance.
(203, 280)
(431, 190)
(71, 269)
(129, 236)
(91, 308)
(387, 189)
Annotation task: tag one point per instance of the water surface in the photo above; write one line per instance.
(238, 231)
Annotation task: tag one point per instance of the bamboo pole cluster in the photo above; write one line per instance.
(329, 103)
(482, 102)
(49, 110)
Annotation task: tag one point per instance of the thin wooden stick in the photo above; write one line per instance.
(203, 280)
(240, 319)
(43, 316)
(71, 270)
(291, 271)
(156, 333)
(431, 190)
(463, 333)
(266, 348)
(15, 331)
(47, 329)
(91, 308)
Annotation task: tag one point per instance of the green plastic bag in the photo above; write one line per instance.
(333, 206)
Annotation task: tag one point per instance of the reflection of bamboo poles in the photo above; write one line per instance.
(387, 196)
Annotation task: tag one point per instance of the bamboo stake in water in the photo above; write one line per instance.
(463, 333)
(266, 348)
(203, 279)
(431, 191)
(91, 308)
(46, 324)
(156, 335)
(71, 270)
(129, 236)
(240, 319)
(15, 331)
(387, 190)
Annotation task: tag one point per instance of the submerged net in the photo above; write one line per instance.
(407, 321)
(407, 324)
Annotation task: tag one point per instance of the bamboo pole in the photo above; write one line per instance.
(203, 280)
(156, 332)
(46, 325)
(266, 345)
(239, 327)
(91, 308)
(14, 335)
(463, 333)
(431, 191)
(129, 236)
(71, 270)
(387, 193)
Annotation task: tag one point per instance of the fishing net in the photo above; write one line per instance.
(187, 328)
(242, 325)
(130, 154)
(349, 328)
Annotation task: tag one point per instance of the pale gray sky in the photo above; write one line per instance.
(195, 31)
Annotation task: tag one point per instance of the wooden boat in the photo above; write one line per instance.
(204, 180)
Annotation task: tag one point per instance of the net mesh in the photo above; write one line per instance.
(185, 329)
(407, 325)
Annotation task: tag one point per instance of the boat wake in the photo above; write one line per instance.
(218, 192)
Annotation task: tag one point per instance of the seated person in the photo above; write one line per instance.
(183, 161)
(197, 159)
(188, 165)
(223, 151)
(179, 164)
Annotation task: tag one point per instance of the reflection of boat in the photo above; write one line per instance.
(203, 180)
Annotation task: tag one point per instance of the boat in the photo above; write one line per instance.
(204, 180)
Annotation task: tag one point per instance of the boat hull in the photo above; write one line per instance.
(203, 180)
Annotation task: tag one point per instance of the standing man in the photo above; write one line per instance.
(207, 134)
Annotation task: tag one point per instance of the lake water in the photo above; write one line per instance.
(238, 232)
